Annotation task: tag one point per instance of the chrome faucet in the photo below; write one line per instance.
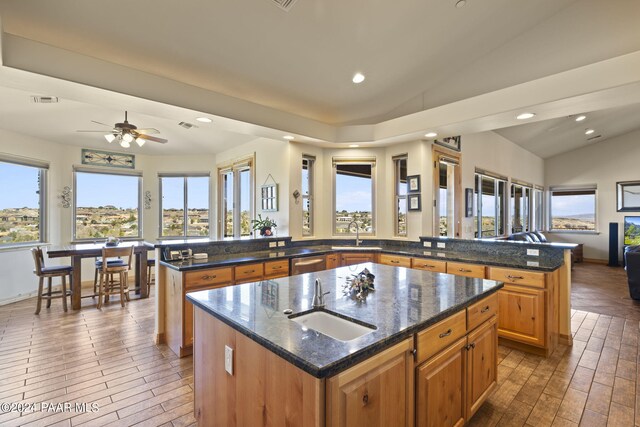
(318, 295)
(357, 231)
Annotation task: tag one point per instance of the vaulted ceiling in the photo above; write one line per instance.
(291, 71)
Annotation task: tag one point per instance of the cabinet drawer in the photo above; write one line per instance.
(481, 311)
(395, 260)
(429, 265)
(518, 277)
(214, 276)
(436, 337)
(276, 268)
(248, 272)
(462, 269)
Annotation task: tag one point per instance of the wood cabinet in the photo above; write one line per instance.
(275, 269)
(482, 365)
(376, 392)
(332, 261)
(352, 258)
(248, 273)
(439, 336)
(429, 265)
(395, 260)
(464, 269)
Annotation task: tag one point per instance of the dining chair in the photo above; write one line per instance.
(42, 271)
(98, 267)
(106, 286)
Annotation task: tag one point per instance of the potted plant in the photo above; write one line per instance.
(264, 225)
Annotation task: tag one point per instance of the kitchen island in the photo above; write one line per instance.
(432, 340)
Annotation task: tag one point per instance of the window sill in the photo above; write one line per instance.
(22, 246)
(97, 241)
(571, 232)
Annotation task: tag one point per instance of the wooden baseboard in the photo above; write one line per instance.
(565, 339)
(159, 338)
(596, 261)
(538, 351)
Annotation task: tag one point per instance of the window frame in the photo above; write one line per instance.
(398, 197)
(581, 188)
(311, 161)
(354, 161)
(537, 224)
(185, 225)
(43, 189)
(236, 167)
(119, 172)
(479, 175)
(443, 155)
(528, 210)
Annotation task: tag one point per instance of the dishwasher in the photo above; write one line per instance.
(308, 264)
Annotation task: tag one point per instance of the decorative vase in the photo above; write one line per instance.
(266, 231)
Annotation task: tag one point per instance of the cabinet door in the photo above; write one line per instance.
(356, 258)
(332, 261)
(521, 314)
(395, 260)
(439, 389)
(376, 392)
(482, 365)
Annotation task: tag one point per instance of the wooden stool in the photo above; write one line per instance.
(99, 267)
(151, 263)
(50, 272)
(105, 287)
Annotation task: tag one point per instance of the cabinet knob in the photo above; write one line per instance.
(484, 310)
(445, 334)
(464, 270)
(365, 399)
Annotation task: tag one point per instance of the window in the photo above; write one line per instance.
(537, 215)
(400, 197)
(308, 163)
(107, 204)
(22, 201)
(447, 194)
(490, 206)
(353, 189)
(184, 205)
(235, 199)
(520, 207)
(573, 209)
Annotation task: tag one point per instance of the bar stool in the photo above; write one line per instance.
(113, 262)
(50, 272)
(151, 263)
(105, 287)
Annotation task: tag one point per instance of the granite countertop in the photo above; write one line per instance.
(405, 301)
(487, 258)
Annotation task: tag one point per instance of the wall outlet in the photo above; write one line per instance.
(426, 244)
(281, 243)
(441, 254)
(533, 252)
(442, 245)
(272, 244)
(533, 264)
(228, 359)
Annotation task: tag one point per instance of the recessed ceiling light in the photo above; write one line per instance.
(354, 145)
(580, 118)
(525, 116)
(204, 119)
(358, 78)
(288, 137)
(461, 3)
(431, 134)
(589, 131)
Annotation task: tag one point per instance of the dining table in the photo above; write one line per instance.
(77, 251)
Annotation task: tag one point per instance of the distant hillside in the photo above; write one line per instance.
(577, 216)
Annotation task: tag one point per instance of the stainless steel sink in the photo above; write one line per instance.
(356, 248)
(331, 325)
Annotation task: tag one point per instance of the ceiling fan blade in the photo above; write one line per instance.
(101, 131)
(152, 138)
(100, 123)
(148, 131)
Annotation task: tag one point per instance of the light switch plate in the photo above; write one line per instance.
(426, 244)
(442, 245)
(281, 243)
(228, 359)
(533, 252)
(272, 244)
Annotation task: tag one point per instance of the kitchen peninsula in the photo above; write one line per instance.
(255, 365)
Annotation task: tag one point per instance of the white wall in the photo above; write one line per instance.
(603, 164)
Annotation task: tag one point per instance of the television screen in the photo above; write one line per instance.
(632, 230)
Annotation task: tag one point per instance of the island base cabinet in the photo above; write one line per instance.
(522, 313)
(482, 365)
(376, 392)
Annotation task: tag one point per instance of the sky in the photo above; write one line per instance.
(18, 186)
(573, 205)
(354, 193)
(197, 192)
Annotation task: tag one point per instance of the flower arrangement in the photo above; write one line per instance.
(360, 283)
(264, 225)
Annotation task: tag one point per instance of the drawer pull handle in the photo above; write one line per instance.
(428, 266)
(484, 310)
(464, 270)
(248, 271)
(445, 334)
(277, 267)
(509, 276)
(395, 261)
(206, 277)
(365, 399)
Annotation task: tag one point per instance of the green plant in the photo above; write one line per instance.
(259, 224)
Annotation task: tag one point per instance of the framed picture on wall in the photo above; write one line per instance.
(414, 202)
(413, 184)
(628, 196)
(452, 142)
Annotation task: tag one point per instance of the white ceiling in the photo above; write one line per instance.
(417, 55)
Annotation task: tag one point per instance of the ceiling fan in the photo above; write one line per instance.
(125, 133)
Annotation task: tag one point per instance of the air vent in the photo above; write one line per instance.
(44, 99)
(285, 5)
(187, 125)
(594, 137)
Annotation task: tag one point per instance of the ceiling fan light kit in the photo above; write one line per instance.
(125, 133)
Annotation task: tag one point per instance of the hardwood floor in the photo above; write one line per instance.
(109, 358)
